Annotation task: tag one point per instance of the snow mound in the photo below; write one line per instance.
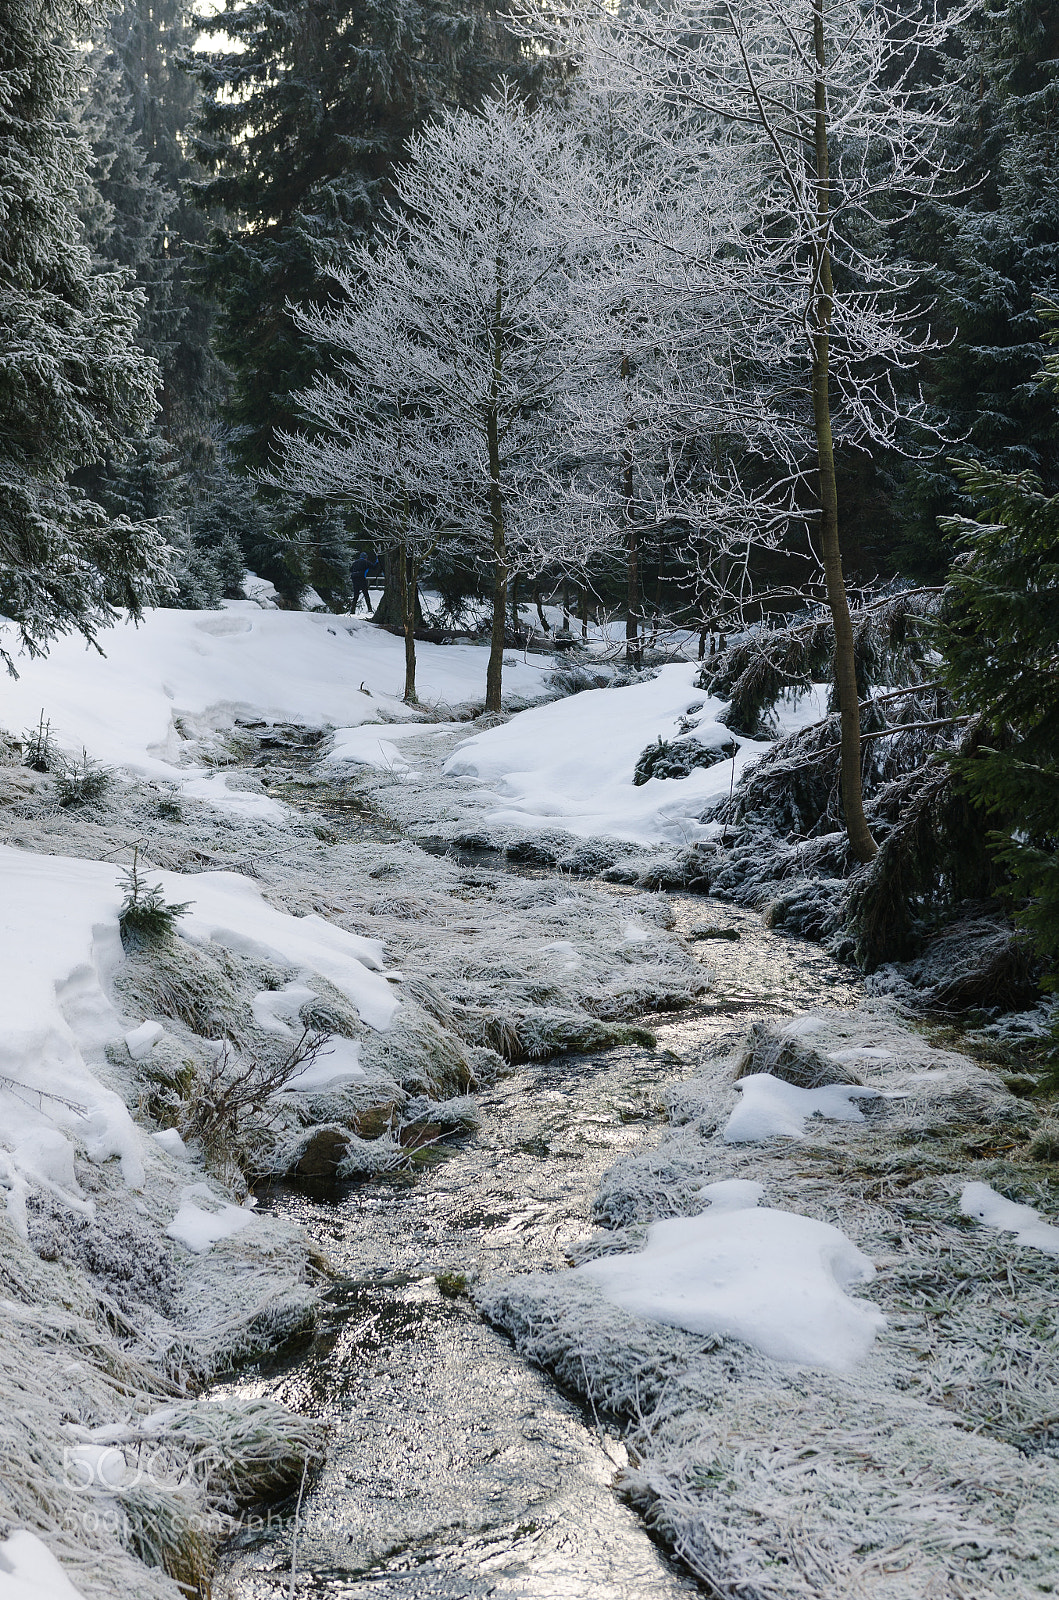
(1028, 1226)
(199, 1226)
(772, 1279)
(574, 761)
(769, 1108)
(231, 911)
(60, 949)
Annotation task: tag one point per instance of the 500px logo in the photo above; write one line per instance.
(89, 1468)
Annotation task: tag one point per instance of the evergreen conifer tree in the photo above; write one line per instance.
(74, 387)
(996, 248)
(999, 638)
(148, 102)
(303, 119)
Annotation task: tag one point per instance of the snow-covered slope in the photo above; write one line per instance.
(160, 687)
(572, 761)
(59, 950)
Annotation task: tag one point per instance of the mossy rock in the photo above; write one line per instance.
(320, 1155)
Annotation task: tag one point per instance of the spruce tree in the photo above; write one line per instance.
(149, 102)
(996, 250)
(1000, 640)
(73, 385)
(302, 122)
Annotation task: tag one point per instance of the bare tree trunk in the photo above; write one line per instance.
(633, 649)
(540, 609)
(516, 621)
(584, 612)
(389, 613)
(494, 673)
(566, 605)
(861, 842)
(407, 570)
(658, 589)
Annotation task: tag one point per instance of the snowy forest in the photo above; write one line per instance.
(529, 799)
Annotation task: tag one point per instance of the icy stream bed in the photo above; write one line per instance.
(456, 1468)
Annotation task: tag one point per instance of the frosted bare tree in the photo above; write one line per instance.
(398, 470)
(453, 334)
(803, 128)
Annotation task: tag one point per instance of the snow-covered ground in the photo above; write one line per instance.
(571, 763)
(151, 701)
(60, 949)
(735, 1281)
(163, 700)
(102, 1048)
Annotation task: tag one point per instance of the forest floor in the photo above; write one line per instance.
(895, 1437)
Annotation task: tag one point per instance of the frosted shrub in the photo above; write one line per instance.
(232, 1099)
(676, 758)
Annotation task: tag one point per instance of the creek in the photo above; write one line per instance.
(456, 1470)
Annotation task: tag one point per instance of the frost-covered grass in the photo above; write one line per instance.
(129, 1244)
(931, 1467)
(128, 1236)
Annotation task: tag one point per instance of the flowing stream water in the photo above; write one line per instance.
(456, 1470)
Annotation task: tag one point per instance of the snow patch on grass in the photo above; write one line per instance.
(1029, 1227)
(769, 1108)
(773, 1279)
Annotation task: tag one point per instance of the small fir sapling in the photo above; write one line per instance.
(146, 916)
(79, 782)
(39, 753)
(676, 758)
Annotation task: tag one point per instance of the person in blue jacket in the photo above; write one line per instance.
(359, 573)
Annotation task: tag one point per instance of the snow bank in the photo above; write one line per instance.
(572, 761)
(773, 1279)
(60, 949)
(1028, 1226)
(159, 688)
(231, 911)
